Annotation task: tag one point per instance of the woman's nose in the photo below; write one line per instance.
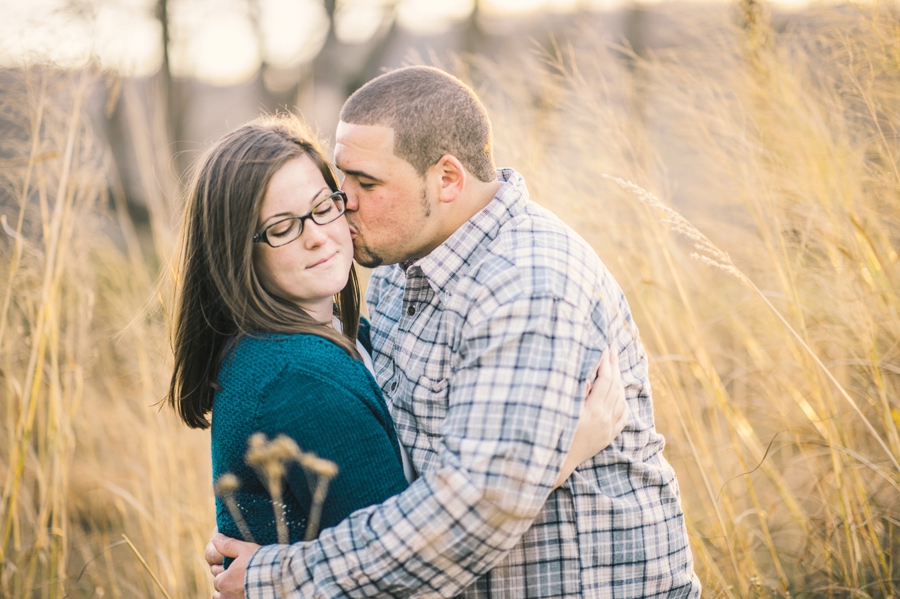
(313, 234)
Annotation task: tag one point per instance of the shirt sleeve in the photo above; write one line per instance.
(514, 401)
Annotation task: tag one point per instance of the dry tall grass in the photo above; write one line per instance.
(86, 457)
(783, 148)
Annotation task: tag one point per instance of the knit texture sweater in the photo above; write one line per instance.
(311, 390)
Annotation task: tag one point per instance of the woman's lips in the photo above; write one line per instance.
(322, 261)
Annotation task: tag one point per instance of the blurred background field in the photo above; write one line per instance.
(773, 128)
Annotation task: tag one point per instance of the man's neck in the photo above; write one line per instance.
(476, 196)
(485, 192)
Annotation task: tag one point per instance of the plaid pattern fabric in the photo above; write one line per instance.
(482, 349)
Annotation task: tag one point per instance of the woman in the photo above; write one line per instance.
(267, 332)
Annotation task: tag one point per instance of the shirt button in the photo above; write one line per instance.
(393, 385)
(411, 310)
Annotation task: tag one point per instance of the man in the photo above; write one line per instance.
(485, 328)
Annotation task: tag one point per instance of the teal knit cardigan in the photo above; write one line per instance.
(311, 390)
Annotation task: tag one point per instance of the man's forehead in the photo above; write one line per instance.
(364, 137)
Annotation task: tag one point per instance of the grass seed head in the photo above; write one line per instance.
(227, 484)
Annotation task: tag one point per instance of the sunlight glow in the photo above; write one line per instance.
(215, 40)
(513, 7)
(223, 50)
(294, 31)
(426, 17)
(602, 5)
(357, 21)
(127, 40)
(43, 31)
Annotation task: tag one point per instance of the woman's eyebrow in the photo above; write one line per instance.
(316, 195)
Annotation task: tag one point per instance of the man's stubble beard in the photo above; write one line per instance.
(364, 255)
(426, 206)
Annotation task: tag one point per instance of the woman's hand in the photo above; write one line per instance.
(213, 558)
(602, 418)
(229, 584)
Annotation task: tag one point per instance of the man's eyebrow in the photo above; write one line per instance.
(358, 174)
(313, 199)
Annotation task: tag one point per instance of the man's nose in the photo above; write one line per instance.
(352, 204)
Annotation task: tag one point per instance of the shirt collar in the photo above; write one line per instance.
(443, 267)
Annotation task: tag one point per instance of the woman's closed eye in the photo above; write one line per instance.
(281, 228)
(325, 208)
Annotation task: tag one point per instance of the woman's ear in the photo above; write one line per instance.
(452, 177)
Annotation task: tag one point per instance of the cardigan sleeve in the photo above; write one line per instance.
(333, 408)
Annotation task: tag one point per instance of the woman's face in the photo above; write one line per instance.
(311, 269)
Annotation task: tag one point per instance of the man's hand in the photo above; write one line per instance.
(229, 584)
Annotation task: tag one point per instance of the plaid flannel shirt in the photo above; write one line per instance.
(482, 349)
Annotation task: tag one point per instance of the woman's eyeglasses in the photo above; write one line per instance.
(288, 229)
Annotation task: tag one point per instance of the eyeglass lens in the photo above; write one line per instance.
(289, 229)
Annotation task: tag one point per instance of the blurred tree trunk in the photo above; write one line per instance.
(165, 73)
(472, 34)
(144, 131)
(757, 26)
(375, 58)
(634, 29)
(272, 100)
(335, 74)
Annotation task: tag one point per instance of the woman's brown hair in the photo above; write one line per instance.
(218, 295)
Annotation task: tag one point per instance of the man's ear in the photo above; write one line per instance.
(452, 176)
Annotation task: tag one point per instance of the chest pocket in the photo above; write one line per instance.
(426, 396)
(428, 401)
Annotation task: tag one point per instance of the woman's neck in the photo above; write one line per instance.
(320, 310)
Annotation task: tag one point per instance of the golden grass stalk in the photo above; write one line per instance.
(146, 566)
(785, 154)
(709, 254)
(323, 471)
(225, 487)
(268, 459)
(47, 311)
(83, 455)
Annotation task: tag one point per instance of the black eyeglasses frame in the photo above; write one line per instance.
(340, 200)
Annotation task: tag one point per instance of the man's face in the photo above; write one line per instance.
(389, 205)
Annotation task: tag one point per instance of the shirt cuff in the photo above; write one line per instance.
(262, 579)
